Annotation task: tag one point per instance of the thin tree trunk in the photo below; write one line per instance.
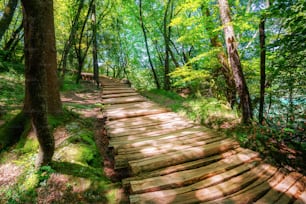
(167, 47)
(7, 16)
(68, 44)
(39, 43)
(147, 47)
(262, 70)
(13, 38)
(241, 86)
(95, 45)
(78, 49)
(262, 41)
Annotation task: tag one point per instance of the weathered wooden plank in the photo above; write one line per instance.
(274, 194)
(119, 95)
(174, 158)
(139, 140)
(117, 88)
(175, 125)
(113, 91)
(218, 178)
(128, 99)
(191, 176)
(228, 187)
(135, 112)
(164, 147)
(138, 120)
(150, 151)
(178, 138)
(301, 198)
(134, 105)
(142, 121)
(147, 134)
(254, 191)
(181, 167)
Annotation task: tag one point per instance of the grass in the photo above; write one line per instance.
(76, 173)
(206, 111)
(11, 94)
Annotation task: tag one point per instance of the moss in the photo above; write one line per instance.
(11, 132)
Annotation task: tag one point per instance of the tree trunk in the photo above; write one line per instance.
(166, 33)
(240, 82)
(262, 69)
(147, 47)
(95, 45)
(262, 41)
(78, 48)
(68, 44)
(223, 60)
(39, 57)
(7, 16)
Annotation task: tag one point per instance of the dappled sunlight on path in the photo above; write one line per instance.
(172, 160)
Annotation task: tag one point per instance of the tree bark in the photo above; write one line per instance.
(146, 44)
(262, 43)
(7, 17)
(95, 45)
(241, 86)
(39, 57)
(78, 48)
(69, 42)
(223, 60)
(262, 69)
(166, 33)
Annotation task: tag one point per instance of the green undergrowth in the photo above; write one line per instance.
(206, 111)
(276, 144)
(75, 174)
(11, 94)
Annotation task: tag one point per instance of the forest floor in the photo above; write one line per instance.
(82, 171)
(78, 173)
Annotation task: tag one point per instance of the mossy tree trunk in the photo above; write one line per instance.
(241, 86)
(39, 48)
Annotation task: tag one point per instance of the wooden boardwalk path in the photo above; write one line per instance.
(172, 160)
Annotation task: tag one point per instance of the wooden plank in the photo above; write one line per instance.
(172, 193)
(117, 88)
(128, 99)
(139, 140)
(293, 192)
(160, 116)
(301, 198)
(147, 134)
(175, 125)
(119, 95)
(174, 158)
(164, 147)
(143, 121)
(185, 137)
(150, 151)
(252, 192)
(274, 194)
(191, 176)
(130, 113)
(181, 167)
(113, 91)
(135, 105)
(228, 187)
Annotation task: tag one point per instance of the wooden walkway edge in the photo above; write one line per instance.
(169, 159)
